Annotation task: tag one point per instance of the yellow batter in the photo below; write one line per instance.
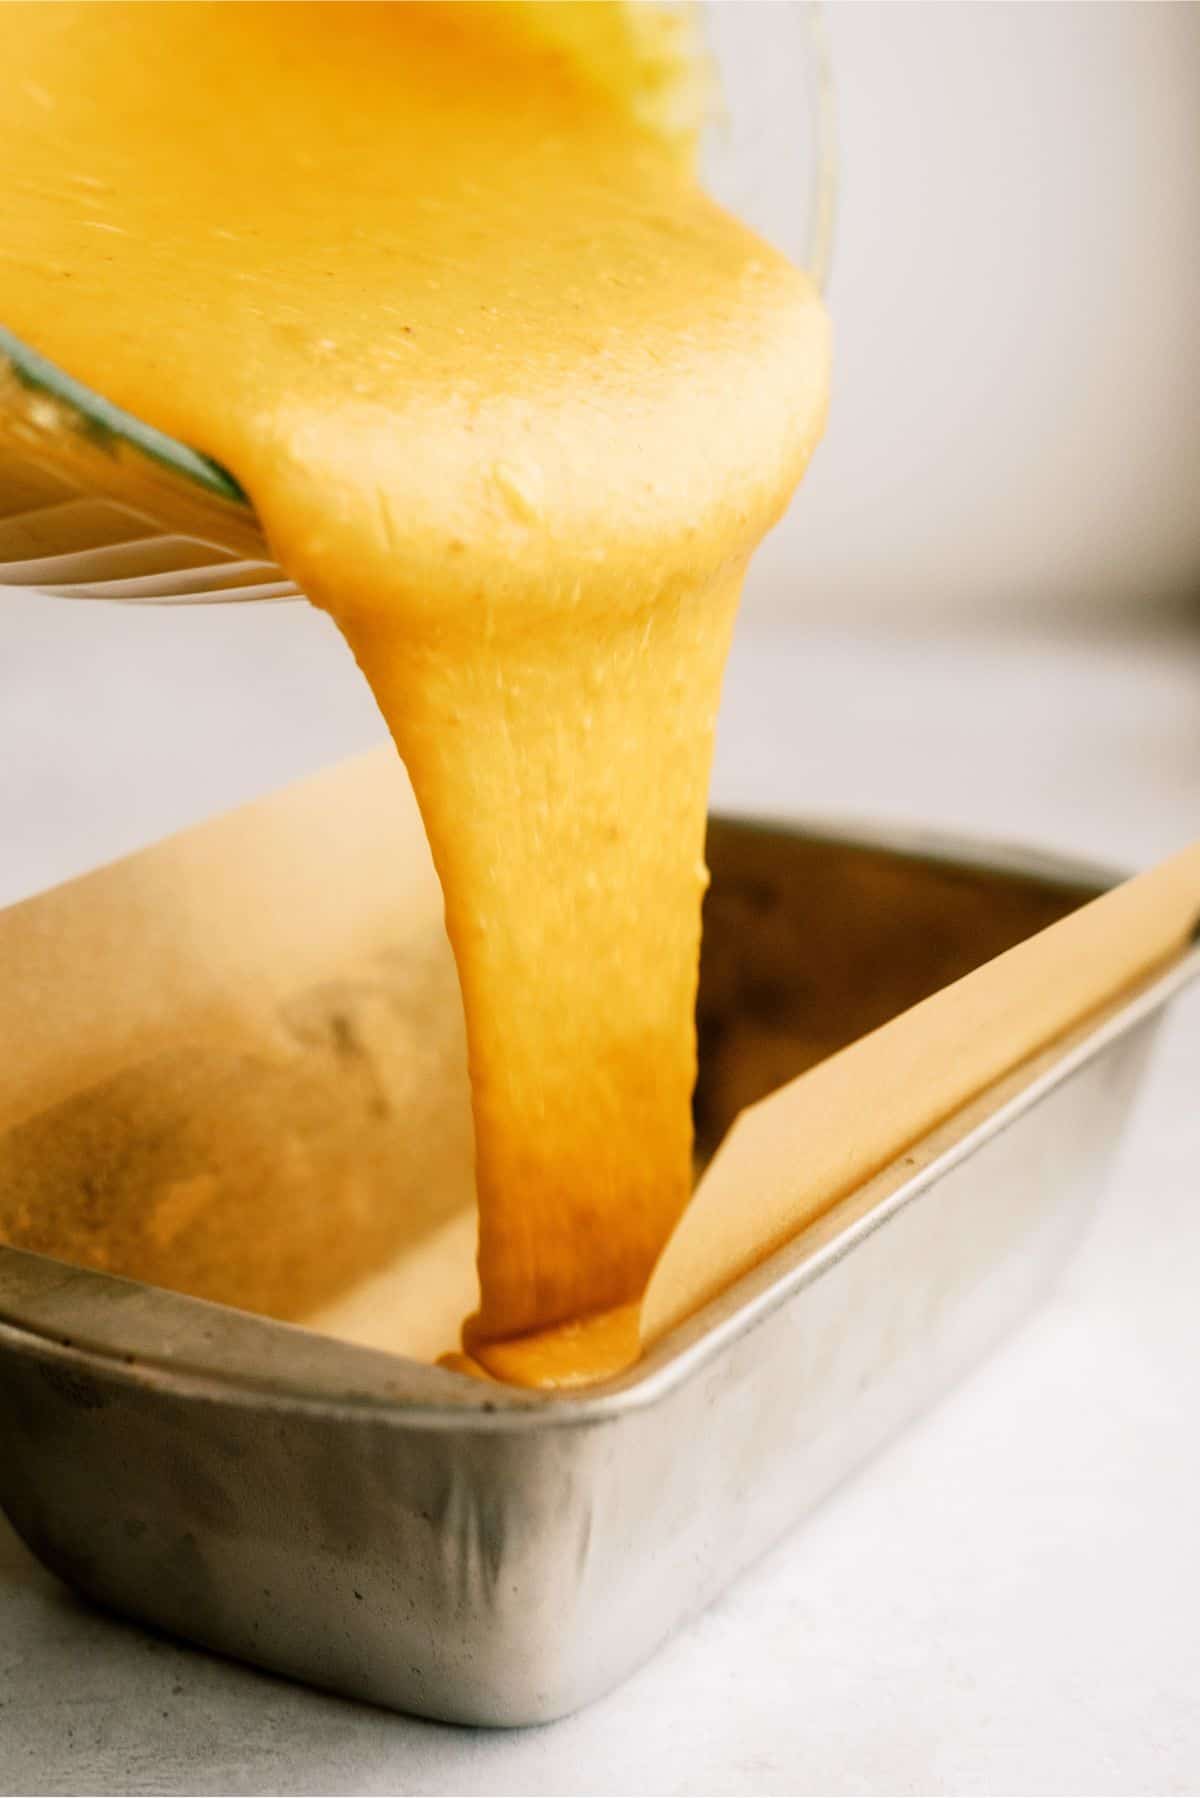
(515, 402)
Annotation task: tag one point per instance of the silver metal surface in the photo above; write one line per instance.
(472, 1552)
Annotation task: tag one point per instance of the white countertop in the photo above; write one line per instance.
(1008, 1600)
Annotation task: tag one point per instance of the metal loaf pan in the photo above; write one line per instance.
(411, 1537)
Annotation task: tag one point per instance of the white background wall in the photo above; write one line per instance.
(1016, 292)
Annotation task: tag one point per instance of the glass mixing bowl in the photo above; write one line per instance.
(97, 504)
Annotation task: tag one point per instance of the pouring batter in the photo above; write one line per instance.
(515, 402)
